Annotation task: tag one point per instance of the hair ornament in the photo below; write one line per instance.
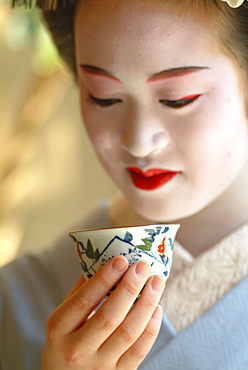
(234, 3)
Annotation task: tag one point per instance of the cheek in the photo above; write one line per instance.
(211, 136)
(218, 146)
(98, 128)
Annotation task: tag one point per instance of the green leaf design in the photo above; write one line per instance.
(90, 253)
(96, 254)
(89, 250)
(146, 246)
(143, 247)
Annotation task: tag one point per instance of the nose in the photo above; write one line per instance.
(143, 134)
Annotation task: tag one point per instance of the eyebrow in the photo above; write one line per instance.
(167, 73)
(96, 71)
(175, 72)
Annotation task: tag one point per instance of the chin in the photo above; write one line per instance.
(165, 210)
(155, 211)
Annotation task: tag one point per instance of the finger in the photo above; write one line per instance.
(79, 283)
(75, 309)
(114, 310)
(132, 358)
(137, 319)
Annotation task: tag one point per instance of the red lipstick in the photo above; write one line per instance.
(151, 179)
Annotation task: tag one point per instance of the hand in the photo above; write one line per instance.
(113, 337)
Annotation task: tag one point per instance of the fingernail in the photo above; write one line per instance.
(142, 268)
(158, 312)
(157, 283)
(119, 264)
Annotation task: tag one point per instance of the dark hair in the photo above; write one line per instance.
(60, 23)
(231, 26)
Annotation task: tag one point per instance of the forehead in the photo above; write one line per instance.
(135, 31)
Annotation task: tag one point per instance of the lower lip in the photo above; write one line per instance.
(151, 179)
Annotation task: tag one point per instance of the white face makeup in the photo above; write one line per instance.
(162, 107)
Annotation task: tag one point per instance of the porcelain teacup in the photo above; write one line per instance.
(152, 243)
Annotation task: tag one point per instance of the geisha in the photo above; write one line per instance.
(163, 95)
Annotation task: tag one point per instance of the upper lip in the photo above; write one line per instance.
(151, 172)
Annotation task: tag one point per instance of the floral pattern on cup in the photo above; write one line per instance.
(153, 243)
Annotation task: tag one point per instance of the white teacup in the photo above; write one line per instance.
(152, 243)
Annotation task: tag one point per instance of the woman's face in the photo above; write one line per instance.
(163, 106)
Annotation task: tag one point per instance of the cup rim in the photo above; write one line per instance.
(121, 227)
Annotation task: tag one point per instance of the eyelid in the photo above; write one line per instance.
(179, 103)
(103, 102)
(190, 97)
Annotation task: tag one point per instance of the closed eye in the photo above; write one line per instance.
(103, 102)
(176, 104)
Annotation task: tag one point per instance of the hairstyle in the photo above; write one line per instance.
(230, 25)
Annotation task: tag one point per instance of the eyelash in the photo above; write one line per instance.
(177, 104)
(103, 103)
(174, 104)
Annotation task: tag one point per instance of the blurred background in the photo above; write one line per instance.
(49, 174)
